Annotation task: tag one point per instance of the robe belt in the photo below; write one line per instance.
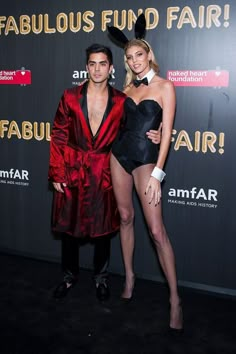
(84, 160)
(95, 151)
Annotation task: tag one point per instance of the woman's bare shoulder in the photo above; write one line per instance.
(127, 88)
(163, 83)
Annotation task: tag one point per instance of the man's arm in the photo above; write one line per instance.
(59, 138)
(155, 135)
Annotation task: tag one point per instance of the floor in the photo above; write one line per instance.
(32, 322)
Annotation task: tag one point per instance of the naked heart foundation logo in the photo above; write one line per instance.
(205, 78)
(20, 77)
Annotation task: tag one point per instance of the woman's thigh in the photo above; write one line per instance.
(122, 185)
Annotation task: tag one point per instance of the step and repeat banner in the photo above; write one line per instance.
(42, 52)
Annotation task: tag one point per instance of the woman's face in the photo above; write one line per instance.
(138, 60)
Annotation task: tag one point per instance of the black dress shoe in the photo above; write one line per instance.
(176, 332)
(102, 291)
(62, 290)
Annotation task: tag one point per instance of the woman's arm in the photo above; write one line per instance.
(153, 189)
(168, 108)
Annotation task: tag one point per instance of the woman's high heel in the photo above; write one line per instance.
(125, 298)
(179, 329)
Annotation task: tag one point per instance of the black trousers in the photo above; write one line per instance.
(70, 257)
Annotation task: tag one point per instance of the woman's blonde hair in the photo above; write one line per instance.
(130, 76)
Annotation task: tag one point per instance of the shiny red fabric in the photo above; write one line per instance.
(87, 207)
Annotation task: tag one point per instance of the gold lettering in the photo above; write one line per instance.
(41, 129)
(197, 141)
(186, 17)
(88, 21)
(48, 131)
(62, 22)
(201, 16)
(221, 143)
(27, 133)
(38, 29)
(104, 19)
(13, 130)
(11, 26)
(122, 24)
(183, 140)
(213, 14)
(174, 132)
(132, 18)
(126, 18)
(208, 141)
(38, 131)
(3, 127)
(155, 13)
(226, 15)
(122, 19)
(2, 25)
(47, 29)
(170, 16)
(25, 27)
(75, 27)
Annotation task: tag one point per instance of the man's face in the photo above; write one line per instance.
(98, 67)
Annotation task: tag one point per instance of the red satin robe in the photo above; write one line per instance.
(87, 207)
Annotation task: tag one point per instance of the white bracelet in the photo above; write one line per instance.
(158, 174)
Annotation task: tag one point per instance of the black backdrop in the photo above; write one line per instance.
(42, 48)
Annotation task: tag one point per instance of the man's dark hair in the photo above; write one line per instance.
(99, 48)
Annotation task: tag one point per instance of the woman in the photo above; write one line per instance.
(137, 161)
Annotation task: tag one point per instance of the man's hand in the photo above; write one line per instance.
(155, 135)
(59, 186)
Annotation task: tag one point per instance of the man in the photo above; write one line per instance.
(86, 123)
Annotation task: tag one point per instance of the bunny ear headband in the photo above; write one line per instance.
(139, 30)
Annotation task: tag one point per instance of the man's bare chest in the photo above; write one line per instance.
(96, 111)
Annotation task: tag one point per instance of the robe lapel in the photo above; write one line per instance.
(83, 110)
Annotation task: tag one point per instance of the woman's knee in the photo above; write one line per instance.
(126, 216)
(158, 234)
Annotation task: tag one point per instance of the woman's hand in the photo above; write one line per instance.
(155, 135)
(153, 190)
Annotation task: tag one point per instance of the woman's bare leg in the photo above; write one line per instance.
(123, 187)
(153, 216)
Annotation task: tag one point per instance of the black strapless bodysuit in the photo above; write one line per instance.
(132, 148)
